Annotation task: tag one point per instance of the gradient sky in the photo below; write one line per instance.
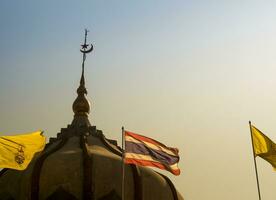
(190, 74)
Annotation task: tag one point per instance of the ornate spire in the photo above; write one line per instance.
(81, 105)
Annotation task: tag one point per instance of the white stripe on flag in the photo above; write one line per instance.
(153, 146)
(148, 158)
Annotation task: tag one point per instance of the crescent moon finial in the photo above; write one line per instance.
(84, 47)
(81, 105)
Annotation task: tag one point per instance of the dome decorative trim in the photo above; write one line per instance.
(174, 192)
(60, 193)
(138, 186)
(111, 196)
(37, 169)
(109, 147)
(87, 169)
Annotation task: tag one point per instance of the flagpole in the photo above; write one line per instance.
(123, 164)
(255, 164)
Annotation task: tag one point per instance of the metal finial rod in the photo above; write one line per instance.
(84, 49)
(86, 31)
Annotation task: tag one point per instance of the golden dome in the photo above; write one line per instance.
(81, 105)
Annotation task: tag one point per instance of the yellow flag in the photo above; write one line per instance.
(264, 147)
(16, 152)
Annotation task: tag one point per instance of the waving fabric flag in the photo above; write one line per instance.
(145, 151)
(16, 152)
(264, 147)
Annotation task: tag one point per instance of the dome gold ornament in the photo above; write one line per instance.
(81, 105)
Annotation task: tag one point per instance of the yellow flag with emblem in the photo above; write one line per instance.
(16, 152)
(264, 147)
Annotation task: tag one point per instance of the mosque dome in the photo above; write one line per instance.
(81, 163)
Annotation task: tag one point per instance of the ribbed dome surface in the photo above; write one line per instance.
(82, 164)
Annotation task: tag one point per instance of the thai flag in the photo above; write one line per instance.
(145, 151)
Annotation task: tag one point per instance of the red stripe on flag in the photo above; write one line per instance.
(151, 164)
(146, 139)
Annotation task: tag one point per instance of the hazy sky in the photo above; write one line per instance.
(190, 74)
